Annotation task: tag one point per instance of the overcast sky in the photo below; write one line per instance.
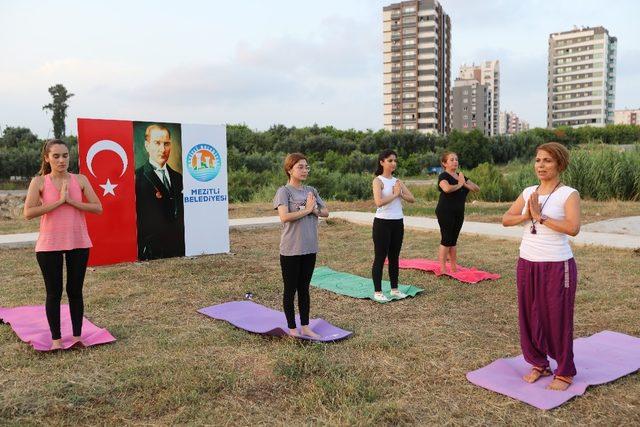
(265, 62)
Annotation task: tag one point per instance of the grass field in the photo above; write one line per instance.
(405, 363)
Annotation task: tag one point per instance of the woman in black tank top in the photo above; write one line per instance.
(453, 187)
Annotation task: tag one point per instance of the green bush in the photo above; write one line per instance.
(425, 192)
(494, 187)
(603, 173)
(339, 186)
(244, 183)
(597, 172)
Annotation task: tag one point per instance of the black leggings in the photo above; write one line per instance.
(296, 275)
(51, 266)
(450, 225)
(387, 242)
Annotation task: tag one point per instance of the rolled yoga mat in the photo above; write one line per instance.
(600, 358)
(31, 326)
(355, 286)
(463, 274)
(259, 319)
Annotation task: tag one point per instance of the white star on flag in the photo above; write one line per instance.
(108, 188)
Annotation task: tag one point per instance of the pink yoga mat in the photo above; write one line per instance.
(30, 324)
(600, 358)
(466, 275)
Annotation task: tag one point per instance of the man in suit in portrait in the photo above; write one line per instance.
(159, 202)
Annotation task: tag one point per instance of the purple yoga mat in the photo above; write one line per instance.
(599, 359)
(259, 319)
(30, 324)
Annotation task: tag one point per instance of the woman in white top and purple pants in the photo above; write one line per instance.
(546, 272)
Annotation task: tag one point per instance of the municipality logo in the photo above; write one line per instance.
(203, 162)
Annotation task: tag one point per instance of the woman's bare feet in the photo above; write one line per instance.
(307, 332)
(454, 268)
(560, 383)
(294, 333)
(56, 344)
(77, 341)
(536, 373)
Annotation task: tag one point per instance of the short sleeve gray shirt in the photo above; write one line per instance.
(298, 237)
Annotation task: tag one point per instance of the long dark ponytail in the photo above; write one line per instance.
(381, 157)
(45, 167)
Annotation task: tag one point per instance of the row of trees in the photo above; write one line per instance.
(343, 160)
(21, 152)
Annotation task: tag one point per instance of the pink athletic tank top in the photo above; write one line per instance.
(64, 228)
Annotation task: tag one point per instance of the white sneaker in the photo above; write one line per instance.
(395, 293)
(380, 297)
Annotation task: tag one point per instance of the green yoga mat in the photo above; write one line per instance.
(354, 286)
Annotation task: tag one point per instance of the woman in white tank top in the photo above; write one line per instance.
(546, 272)
(388, 224)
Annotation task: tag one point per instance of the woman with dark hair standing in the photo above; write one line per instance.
(299, 207)
(388, 224)
(453, 187)
(546, 274)
(56, 195)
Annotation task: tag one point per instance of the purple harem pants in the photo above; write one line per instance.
(546, 296)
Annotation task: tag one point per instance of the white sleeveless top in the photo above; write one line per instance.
(393, 209)
(546, 244)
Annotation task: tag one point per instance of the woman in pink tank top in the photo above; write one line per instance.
(57, 197)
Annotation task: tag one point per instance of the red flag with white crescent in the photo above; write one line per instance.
(105, 150)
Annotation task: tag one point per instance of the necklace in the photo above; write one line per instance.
(533, 222)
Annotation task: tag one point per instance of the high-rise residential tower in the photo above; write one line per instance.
(417, 66)
(581, 78)
(471, 106)
(487, 73)
(626, 117)
(509, 123)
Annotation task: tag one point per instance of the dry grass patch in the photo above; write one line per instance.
(405, 364)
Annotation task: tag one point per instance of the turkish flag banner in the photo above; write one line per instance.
(105, 151)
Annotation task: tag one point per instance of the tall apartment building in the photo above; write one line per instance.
(626, 117)
(581, 78)
(509, 123)
(487, 73)
(417, 66)
(471, 106)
